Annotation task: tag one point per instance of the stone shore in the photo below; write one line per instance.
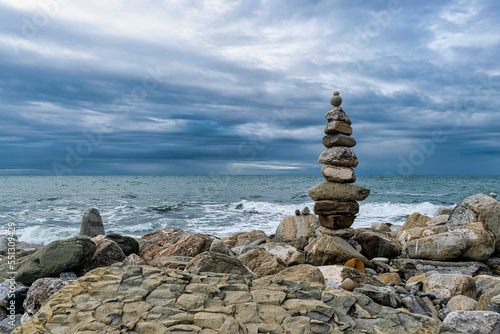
(436, 274)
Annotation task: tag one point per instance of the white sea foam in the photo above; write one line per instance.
(44, 235)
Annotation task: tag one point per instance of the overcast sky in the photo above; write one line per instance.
(241, 87)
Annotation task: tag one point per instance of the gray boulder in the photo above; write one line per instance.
(478, 208)
(91, 223)
(59, 256)
(128, 244)
(6, 324)
(474, 322)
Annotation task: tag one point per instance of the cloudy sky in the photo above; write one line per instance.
(241, 87)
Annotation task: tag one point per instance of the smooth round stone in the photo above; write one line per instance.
(331, 190)
(336, 100)
(333, 207)
(339, 156)
(338, 140)
(344, 233)
(336, 221)
(338, 174)
(348, 284)
(337, 114)
(335, 127)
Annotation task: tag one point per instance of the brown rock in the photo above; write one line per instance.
(480, 243)
(390, 278)
(416, 279)
(376, 244)
(338, 140)
(461, 303)
(339, 156)
(134, 260)
(301, 273)
(244, 238)
(415, 220)
(449, 285)
(335, 127)
(344, 233)
(337, 274)
(261, 262)
(356, 264)
(107, 253)
(335, 207)
(348, 284)
(297, 230)
(338, 174)
(158, 241)
(336, 222)
(405, 236)
(331, 190)
(333, 250)
(190, 244)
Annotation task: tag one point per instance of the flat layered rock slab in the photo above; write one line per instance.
(331, 191)
(150, 300)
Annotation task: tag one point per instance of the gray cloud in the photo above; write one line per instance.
(241, 87)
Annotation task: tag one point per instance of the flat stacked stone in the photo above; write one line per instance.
(336, 199)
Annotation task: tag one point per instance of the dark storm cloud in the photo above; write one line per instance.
(241, 87)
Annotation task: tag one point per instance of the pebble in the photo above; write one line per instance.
(348, 284)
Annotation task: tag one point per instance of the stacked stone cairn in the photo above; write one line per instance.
(336, 199)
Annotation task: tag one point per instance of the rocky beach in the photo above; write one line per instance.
(315, 274)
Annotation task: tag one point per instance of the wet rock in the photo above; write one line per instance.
(474, 322)
(59, 256)
(216, 263)
(128, 244)
(92, 223)
(297, 230)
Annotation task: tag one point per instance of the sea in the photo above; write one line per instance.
(48, 208)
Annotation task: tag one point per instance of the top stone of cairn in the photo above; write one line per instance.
(336, 100)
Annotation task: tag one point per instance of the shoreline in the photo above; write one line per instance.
(396, 267)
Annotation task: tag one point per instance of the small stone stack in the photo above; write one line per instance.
(336, 200)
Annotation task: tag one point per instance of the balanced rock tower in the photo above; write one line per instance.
(336, 199)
